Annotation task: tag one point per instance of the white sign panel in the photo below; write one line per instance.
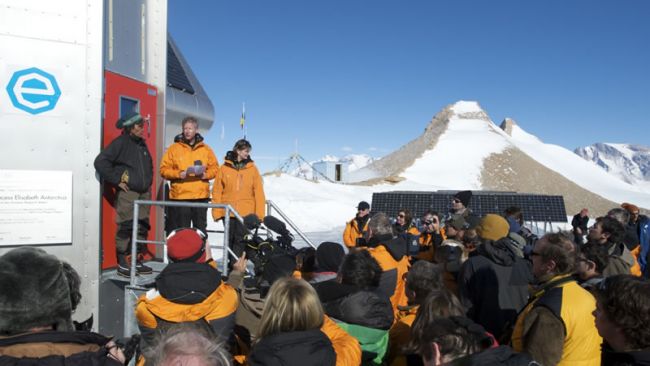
(35, 207)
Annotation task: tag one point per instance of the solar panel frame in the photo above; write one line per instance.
(535, 207)
(176, 77)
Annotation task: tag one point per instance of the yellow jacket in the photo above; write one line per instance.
(180, 156)
(561, 298)
(239, 185)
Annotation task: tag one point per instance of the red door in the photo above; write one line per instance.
(121, 96)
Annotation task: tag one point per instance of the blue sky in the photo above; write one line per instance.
(353, 76)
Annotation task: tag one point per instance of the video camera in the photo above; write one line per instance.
(259, 249)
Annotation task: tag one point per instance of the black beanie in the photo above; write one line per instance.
(277, 267)
(464, 197)
(34, 291)
(329, 256)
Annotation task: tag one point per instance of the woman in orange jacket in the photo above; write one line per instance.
(238, 184)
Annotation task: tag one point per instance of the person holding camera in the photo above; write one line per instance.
(430, 236)
(188, 164)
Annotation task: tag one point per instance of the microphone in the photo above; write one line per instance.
(275, 225)
(251, 222)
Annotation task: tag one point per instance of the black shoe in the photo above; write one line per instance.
(141, 268)
(124, 272)
(123, 266)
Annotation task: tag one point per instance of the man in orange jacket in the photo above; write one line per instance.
(356, 228)
(390, 252)
(189, 164)
(188, 290)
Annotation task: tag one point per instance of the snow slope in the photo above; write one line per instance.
(576, 169)
(456, 160)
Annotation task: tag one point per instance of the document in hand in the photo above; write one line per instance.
(195, 170)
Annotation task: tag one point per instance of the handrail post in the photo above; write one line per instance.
(288, 220)
(226, 239)
(134, 242)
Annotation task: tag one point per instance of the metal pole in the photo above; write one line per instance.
(134, 242)
(288, 220)
(226, 240)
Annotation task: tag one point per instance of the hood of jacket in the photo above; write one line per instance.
(499, 252)
(197, 139)
(231, 160)
(309, 347)
(60, 348)
(368, 308)
(396, 246)
(188, 283)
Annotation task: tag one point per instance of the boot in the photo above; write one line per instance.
(141, 268)
(123, 266)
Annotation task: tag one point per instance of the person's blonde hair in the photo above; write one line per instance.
(291, 305)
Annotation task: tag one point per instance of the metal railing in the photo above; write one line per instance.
(270, 206)
(134, 234)
(131, 290)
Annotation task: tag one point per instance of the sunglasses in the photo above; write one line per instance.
(401, 216)
(534, 253)
(455, 200)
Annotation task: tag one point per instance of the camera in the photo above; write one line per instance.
(259, 249)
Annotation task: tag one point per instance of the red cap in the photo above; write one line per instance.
(186, 245)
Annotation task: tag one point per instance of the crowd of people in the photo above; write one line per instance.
(490, 293)
(449, 288)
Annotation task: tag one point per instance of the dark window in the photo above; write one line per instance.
(128, 105)
(176, 77)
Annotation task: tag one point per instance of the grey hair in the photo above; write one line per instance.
(188, 340)
(619, 214)
(190, 119)
(380, 224)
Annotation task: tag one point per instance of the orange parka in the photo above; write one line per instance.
(352, 232)
(180, 156)
(238, 184)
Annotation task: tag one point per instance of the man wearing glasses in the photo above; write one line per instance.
(557, 325)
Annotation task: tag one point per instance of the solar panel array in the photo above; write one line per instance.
(535, 207)
(176, 77)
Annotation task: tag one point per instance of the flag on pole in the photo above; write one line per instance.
(242, 120)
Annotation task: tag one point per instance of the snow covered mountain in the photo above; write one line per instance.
(461, 148)
(630, 163)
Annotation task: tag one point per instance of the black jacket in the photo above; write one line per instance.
(631, 358)
(126, 154)
(493, 285)
(502, 355)
(54, 346)
(368, 308)
(302, 348)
